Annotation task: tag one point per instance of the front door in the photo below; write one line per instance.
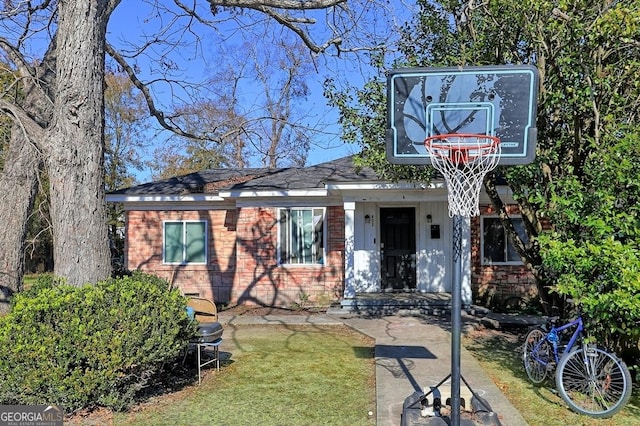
(398, 248)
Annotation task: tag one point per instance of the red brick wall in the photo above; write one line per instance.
(143, 251)
(496, 282)
(260, 280)
(242, 258)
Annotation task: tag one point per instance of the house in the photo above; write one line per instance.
(317, 234)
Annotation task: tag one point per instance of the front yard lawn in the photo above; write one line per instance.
(499, 354)
(272, 375)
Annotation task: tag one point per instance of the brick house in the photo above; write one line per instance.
(317, 234)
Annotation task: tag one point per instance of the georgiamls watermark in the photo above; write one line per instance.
(31, 415)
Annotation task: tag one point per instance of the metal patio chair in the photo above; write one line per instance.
(208, 335)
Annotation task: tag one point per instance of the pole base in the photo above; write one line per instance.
(420, 409)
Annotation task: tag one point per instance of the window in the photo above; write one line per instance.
(496, 247)
(301, 236)
(185, 242)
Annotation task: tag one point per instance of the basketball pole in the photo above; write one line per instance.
(456, 320)
(463, 143)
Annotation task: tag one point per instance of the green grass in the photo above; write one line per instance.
(539, 405)
(276, 375)
(29, 279)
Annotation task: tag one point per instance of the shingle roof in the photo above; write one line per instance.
(213, 180)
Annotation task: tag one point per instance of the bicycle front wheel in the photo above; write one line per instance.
(593, 382)
(537, 355)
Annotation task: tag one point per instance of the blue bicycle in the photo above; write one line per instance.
(591, 380)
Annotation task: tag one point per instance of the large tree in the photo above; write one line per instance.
(57, 51)
(59, 116)
(254, 116)
(283, 139)
(587, 53)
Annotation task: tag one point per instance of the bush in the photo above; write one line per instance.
(604, 278)
(89, 346)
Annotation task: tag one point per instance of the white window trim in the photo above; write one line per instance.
(184, 230)
(324, 239)
(489, 262)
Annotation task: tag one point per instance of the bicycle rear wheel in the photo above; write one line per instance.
(537, 355)
(593, 382)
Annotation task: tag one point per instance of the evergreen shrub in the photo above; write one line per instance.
(96, 345)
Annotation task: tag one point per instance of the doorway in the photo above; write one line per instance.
(398, 248)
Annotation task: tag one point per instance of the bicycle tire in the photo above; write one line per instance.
(600, 394)
(536, 361)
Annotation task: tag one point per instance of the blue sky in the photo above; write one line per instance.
(131, 22)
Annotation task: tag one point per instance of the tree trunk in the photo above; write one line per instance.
(75, 145)
(18, 186)
(19, 179)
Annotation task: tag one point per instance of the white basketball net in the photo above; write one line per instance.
(463, 160)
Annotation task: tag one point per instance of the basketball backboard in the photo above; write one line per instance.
(498, 100)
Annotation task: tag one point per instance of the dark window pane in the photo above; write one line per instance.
(493, 240)
(512, 254)
(196, 249)
(173, 242)
(318, 238)
(301, 236)
(496, 246)
(284, 236)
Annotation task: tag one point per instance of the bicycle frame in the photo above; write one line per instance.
(590, 380)
(578, 323)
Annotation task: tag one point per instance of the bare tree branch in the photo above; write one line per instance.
(279, 4)
(159, 115)
(304, 36)
(31, 129)
(272, 9)
(15, 56)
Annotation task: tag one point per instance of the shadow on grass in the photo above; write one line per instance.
(503, 348)
(268, 375)
(176, 377)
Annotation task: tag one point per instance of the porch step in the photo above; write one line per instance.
(376, 304)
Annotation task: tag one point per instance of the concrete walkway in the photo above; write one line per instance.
(412, 353)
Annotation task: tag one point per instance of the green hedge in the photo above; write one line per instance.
(97, 345)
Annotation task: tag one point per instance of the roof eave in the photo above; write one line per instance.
(160, 198)
(312, 192)
(383, 185)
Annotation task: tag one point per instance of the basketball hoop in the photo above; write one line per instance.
(463, 160)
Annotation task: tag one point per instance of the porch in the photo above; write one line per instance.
(398, 255)
(390, 303)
